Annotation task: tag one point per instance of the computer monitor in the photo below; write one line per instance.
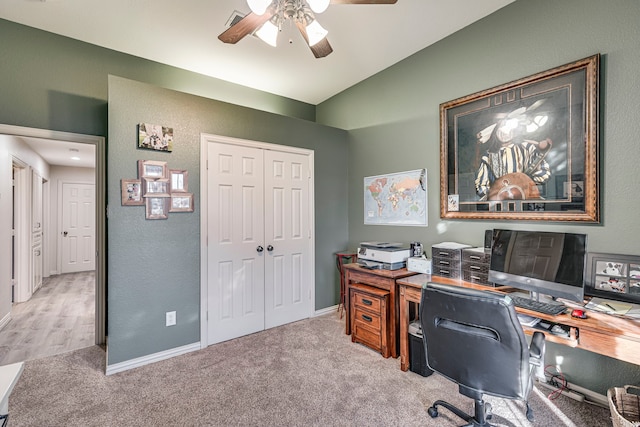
(542, 262)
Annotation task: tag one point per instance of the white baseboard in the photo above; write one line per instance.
(152, 358)
(5, 320)
(580, 394)
(324, 311)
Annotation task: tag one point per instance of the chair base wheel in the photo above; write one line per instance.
(432, 411)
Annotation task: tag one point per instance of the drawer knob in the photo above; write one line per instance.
(367, 302)
(367, 318)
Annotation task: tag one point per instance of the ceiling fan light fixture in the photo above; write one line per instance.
(315, 32)
(318, 6)
(268, 33)
(259, 7)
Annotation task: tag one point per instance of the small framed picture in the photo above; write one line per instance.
(152, 169)
(157, 207)
(155, 137)
(613, 276)
(131, 192)
(181, 202)
(179, 180)
(155, 187)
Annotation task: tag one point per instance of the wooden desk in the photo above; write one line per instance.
(600, 333)
(383, 279)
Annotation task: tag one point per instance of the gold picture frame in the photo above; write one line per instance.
(510, 152)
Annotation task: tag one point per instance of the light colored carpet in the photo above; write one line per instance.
(303, 374)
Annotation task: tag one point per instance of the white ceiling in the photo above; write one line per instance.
(365, 38)
(63, 153)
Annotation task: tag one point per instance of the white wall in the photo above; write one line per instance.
(11, 147)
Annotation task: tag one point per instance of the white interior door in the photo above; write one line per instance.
(235, 241)
(78, 228)
(287, 236)
(259, 243)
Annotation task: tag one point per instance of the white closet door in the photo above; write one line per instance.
(235, 235)
(287, 236)
(259, 239)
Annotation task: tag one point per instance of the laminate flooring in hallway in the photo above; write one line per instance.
(58, 318)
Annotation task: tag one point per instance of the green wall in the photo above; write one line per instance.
(54, 82)
(393, 123)
(57, 83)
(154, 266)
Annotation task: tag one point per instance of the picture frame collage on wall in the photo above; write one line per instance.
(160, 189)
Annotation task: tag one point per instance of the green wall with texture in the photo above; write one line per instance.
(393, 123)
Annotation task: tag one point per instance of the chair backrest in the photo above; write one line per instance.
(474, 338)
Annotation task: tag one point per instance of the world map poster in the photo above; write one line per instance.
(396, 199)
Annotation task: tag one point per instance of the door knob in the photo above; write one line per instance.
(259, 249)
(65, 233)
(269, 248)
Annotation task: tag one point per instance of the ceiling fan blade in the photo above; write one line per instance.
(320, 49)
(245, 26)
(364, 1)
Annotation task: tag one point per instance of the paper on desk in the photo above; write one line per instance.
(608, 306)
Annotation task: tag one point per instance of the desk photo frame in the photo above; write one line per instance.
(547, 125)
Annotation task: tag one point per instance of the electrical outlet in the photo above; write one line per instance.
(170, 318)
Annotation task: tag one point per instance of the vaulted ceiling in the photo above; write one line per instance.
(365, 38)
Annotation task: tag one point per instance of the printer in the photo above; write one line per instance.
(383, 255)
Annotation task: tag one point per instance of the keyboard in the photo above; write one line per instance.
(553, 308)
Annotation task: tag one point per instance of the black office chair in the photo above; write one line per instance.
(474, 338)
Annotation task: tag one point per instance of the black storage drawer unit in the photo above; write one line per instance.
(475, 265)
(447, 259)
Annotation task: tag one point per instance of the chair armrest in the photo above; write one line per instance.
(536, 349)
(536, 355)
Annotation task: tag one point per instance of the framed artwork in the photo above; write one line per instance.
(396, 199)
(179, 180)
(131, 192)
(155, 187)
(152, 169)
(613, 276)
(525, 150)
(155, 137)
(181, 202)
(157, 207)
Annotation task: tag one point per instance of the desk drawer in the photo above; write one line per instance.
(455, 254)
(476, 256)
(363, 334)
(366, 301)
(475, 277)
(367, 318)
(446, 267)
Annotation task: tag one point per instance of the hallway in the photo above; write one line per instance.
(58, 318)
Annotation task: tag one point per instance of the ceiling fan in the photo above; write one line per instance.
(267, 17)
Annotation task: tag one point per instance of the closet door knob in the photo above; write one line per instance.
(259, 249)
(269, 248)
